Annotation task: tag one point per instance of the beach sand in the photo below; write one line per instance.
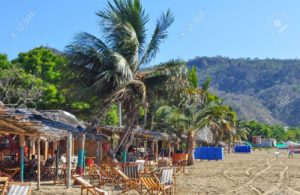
(257, 173)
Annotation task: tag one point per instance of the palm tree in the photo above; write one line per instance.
(112, 67)
(241, 131)
(221, 119)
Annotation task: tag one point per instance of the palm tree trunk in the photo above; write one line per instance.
(120, 113)
(191, 145)
(152, 120)
(145, 115)
(126, 139)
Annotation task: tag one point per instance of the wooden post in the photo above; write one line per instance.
(73, 148)
(145, 149)
(54, 148)
(99, 149)
(152, 148)
(22, 145)
(39, 162)
(46, 150)
(57, 161)
(169, 149)
(156, 151)
(69, 154)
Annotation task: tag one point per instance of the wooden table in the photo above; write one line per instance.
(12, 171)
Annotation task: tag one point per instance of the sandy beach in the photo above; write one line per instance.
(257, 173)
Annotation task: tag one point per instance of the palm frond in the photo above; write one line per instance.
(124, 26)
(159, 35)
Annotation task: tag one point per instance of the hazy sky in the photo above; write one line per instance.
(233, 28)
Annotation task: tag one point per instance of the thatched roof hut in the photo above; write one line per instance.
(205, 135)
(53, 125)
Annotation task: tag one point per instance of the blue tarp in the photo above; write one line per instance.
(209, 153)
(242, 149)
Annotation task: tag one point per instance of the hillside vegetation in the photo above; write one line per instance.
(264, 90)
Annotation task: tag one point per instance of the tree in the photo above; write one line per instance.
(112, 67)
(4, 62)
(19, 88)
(184, 117)
(49, 67)
(221, 119)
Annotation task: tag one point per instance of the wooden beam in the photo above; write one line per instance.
(54, 148)
(156, 151)
(69, 154)
(39, 162)
(46, 150)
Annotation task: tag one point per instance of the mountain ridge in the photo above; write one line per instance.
(266, 90)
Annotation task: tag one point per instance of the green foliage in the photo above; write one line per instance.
(19, 88)
(79, 105)
(193, 77)
(277, 132)
(49, 68)
(43, 63)
(265, 90)
(112, 117)
(293, 134)
(4, 62)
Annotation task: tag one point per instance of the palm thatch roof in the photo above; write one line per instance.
(137, 132)
(52, 125)
(205, 135)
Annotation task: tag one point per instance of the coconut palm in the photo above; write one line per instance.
(114, 66)
(221, 119)
(241, 131)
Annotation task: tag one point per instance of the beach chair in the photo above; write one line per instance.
(141, 165)
(162, 163)
(4, 180)
(129, 182)
(167, 177)
(18, 188)
(88, 187)
(161, 183)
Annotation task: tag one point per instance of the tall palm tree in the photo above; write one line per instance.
(112, 66)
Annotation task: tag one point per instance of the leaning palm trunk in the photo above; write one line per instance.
(191, 145)
(126, 139)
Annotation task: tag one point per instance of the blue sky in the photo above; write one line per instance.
(233, 28)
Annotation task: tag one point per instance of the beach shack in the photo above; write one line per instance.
(25, 133)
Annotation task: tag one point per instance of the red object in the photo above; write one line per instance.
(179, 157)
(90, 162)
(105, 147)
(79, 171)
(256, 139)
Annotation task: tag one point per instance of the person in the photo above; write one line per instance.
(31, 167)
(33, 162)
(130, 154)
(180, 151)
(291, 151)
(49, 161)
